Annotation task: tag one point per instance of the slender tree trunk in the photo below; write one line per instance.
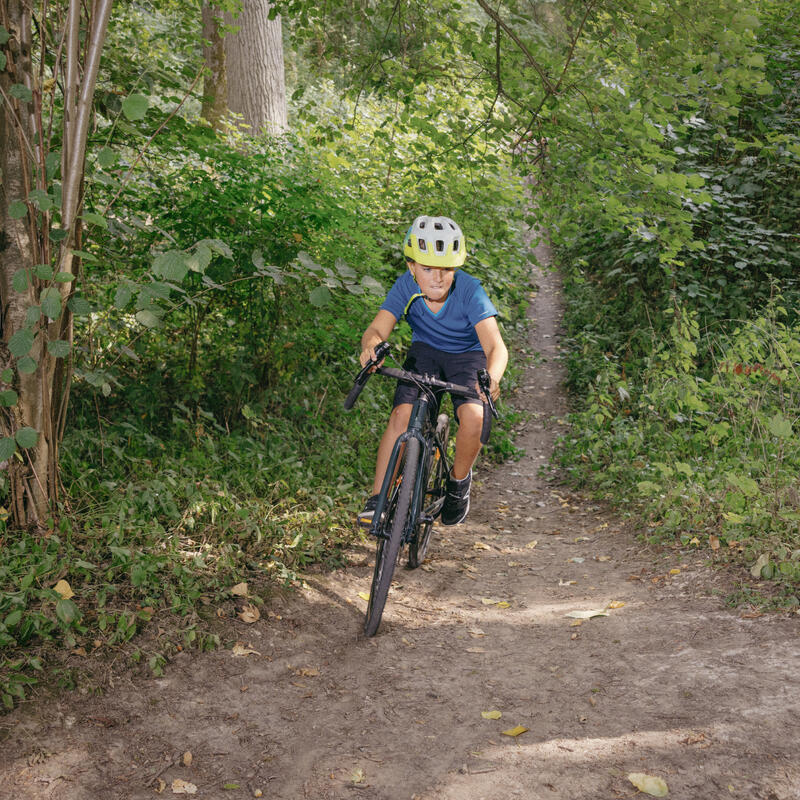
(215, 83)
(33, 305)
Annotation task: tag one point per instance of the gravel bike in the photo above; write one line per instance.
(414, 487)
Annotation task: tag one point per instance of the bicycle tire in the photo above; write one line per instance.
(388, 550)
(435, 480)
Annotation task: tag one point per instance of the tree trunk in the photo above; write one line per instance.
(215, 81)
(251, 70)
(36, 323)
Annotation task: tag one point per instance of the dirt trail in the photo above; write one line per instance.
(671, 684)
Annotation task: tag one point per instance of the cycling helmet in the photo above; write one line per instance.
(435, 242)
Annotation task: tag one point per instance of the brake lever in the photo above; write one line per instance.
(485, 382)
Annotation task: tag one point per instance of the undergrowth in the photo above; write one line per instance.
(709, 457)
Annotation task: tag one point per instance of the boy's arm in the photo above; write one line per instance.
(495, 349)
(378, 331)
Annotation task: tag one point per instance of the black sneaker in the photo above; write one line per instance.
(456, 502)
(365, 516)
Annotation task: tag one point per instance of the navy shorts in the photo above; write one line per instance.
(461, 368)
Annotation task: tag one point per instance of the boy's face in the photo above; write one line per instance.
(434, 282)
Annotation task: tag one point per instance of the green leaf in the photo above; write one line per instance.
(13, 618)
(106, 158)
(4, 35)
(171, 266)
(27, 365)
(84, 255)
(52, 163)
(21, 281)
(17, 209)
(134, 106)
(780, 426)
(308, 262)
(40, 199)
(64, 277)
(95, 219)
(21, 92)
(320, 296)
(67, 611)
(33, 315)
(8, 397)
(20, 343)
(7, 448)
(371, 285)
(148, 318)
(51, 302)
(43, 271)
(79, 307)
(59, 348)
(7, 375)
(2, 61)
(200, 259)
(122, 297)
(27, 437)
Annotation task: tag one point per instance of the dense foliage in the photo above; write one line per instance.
(226, 281)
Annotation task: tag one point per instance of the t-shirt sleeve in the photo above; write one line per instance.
(479, 306)
(396, 299)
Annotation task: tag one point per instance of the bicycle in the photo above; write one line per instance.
(415, 483)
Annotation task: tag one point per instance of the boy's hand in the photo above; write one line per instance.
(367, 355)
(494, 391)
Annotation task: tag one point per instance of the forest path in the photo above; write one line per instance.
(670, 683)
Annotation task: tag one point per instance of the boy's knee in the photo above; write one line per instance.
(470, 416)
(400, 416)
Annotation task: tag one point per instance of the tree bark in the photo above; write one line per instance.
(250, 71)
(37, 376)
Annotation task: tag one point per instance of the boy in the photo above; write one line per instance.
(455, 334)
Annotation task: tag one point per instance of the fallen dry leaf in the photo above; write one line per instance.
(358, 776)
(602, 558)
(575, 623)
(675, 571)
(161, 786)
(649, 784)
(240, 590)
(64, 589)
(476, 632)
(241, 649)
(183, 787)
(600, 612)
(616, 604)
(481, 546)
(249, 614)
(364, 596)
(519, 729)
(476, 649)
(489, 601)
(532, 544)
(187, 759)
(566, 583)
(504, 604)
(713, 541)
(491, 714)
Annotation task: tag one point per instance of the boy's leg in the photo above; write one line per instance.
(398, 423)
(468, 438)
(468, 445)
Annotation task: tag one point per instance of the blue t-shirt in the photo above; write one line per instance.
(452, 328)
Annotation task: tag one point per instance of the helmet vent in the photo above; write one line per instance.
(440, 246)
(455, 245)
(422, 225)
(438, 226)
(422, 245)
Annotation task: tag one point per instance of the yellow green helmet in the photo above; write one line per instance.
(435, 242)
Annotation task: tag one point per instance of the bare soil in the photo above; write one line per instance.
(671, 683)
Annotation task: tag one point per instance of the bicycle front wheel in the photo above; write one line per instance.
(388, 550)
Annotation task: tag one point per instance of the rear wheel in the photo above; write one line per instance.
(434, 496)
(388, 550)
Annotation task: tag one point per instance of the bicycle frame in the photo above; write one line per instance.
(420, 418)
